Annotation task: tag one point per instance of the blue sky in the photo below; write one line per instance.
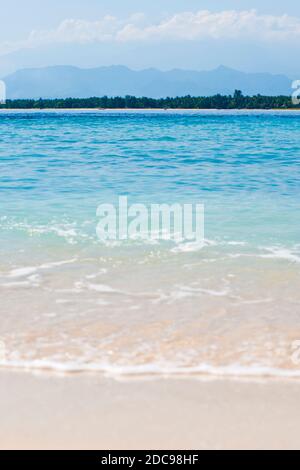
(196, 34)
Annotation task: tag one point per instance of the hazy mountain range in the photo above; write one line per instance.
(67, 81)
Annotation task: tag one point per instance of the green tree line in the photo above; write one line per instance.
(235, 101)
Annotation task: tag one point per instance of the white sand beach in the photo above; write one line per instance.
(91, 412)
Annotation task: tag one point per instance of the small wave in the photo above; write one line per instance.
(281, 253)
(181, 292)
(102, 288)
(106, 289)
(186, 247)
(70, 232)
(256, 302)
(200, 290)
(278, 253)
(22, 272)
(27, 283)
(234, 243)
(153, 369)
(29, 270)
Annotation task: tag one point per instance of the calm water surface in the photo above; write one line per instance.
(70, 302)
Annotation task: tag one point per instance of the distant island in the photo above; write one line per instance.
(235, 101)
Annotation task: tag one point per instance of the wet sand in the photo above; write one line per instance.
(44, 411)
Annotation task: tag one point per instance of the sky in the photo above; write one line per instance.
(252, 36)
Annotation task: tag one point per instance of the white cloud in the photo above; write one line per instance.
(221, 25)
(78, 31)
(189, 26)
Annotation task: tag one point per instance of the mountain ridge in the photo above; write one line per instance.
(118, 80)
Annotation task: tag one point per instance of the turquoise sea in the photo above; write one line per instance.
(70, 302)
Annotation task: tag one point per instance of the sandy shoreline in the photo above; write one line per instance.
(91, 412)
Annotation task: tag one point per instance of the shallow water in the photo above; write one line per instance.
(71, 302)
